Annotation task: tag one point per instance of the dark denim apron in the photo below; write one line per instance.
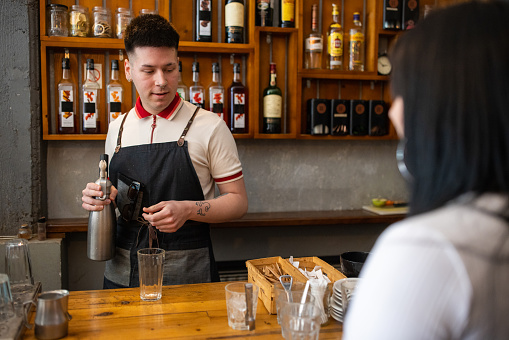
(167, 173)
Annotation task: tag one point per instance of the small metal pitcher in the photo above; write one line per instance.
(51, 318)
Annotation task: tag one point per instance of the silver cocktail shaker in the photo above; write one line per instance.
(102, 224)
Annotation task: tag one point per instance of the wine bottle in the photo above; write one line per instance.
(196, 91)
(335, 41)
(216, 94)
(115, 93)
(287, 11)
(90, 99)
(66, 103)
(238, 103)
(203, 21)
(182, 89)
(272, 104)
(356, 45)
(234, 21)
(313, 43)
(264, 13)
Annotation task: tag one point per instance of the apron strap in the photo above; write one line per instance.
(180, 142)
(119, 138)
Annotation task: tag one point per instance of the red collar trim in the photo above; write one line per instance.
(166, 113)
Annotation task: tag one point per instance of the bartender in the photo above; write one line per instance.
(166, 155)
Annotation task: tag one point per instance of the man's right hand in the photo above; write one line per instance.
(93, 190)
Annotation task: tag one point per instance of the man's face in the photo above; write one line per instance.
(154, 71)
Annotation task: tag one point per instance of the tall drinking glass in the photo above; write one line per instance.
(6, 304)
(19, 266)
(150, 267)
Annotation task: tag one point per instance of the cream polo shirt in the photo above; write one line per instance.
(211, 145)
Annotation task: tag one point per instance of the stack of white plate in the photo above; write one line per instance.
(336, 308)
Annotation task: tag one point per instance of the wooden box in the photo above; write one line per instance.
(267, 290)
(310, 262)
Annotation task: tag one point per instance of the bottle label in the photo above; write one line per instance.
(196, 97)
(239, 99)
(115, 100)
(239, 120)
(314, 44)
(89, 109)
(182, 93)
(66, 106)
(204, 18)
(234, 14)
(216, 96)
(356, 44)
(288, 10)
(272, 105)
(336, 44)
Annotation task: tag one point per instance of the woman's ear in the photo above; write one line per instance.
(396, 114)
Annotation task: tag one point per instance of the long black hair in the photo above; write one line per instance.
(452, 72)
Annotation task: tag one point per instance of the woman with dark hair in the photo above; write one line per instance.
(443, 273)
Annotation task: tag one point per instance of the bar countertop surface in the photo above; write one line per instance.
(195, 311)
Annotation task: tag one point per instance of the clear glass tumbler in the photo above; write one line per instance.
(19, 266)
(150, 267)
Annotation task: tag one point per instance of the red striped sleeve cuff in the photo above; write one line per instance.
(228, 178)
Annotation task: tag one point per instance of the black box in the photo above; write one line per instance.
(378, 118)
(318, 116)
(340, 117)
(359, 117)
(392, 14)
(410, 14)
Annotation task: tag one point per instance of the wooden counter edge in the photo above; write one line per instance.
(55, 227)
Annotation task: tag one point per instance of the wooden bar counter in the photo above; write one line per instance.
(195, 311)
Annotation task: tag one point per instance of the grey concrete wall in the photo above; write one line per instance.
(20, 152)
(280, 175)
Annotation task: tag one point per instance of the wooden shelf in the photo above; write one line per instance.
(347, 137)
(276, 30)
(74, 137)
(254, 220)
(347, 75)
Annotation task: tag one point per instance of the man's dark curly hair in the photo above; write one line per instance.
(150, 30)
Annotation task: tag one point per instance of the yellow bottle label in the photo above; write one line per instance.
(335, 44)
(288, 10)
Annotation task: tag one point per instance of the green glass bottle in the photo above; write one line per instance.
(272, 104)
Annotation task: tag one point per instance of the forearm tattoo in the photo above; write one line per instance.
(203, 208)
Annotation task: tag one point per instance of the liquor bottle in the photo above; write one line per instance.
(66, 102)
(196, 91)
(90, 100)
(216, 94)
(182, 89)
(264, 13)
(314, 43)
(234, 21)
(238, 103)
(356, 45)
(287, 10)
(203, 22)
(335, 41)
(115, 93)
(272, 104)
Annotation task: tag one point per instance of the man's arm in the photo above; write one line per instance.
(169, 216)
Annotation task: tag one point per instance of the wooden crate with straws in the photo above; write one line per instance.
(265, 273)
(309, 263)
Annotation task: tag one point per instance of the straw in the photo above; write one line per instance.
(303, 299)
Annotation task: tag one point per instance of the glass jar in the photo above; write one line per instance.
(79, 21)
(123, 18)
(102, 22)
(57, 21)
(24, 232)
(148, 11)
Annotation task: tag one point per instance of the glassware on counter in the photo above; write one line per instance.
(123, 18)
(102, 22)
(57, 20)
(79, 20)
(148, 11)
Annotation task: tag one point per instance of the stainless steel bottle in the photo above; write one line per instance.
(102, 224)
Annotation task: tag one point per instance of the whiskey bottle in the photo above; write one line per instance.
(216, 94)
(313, 43)
(272, 104)
(238, 103)
(66, 101)
(234, 21)
(356, 45)
(196, 91)
(264, 13)
(335, 41)
(115, 93)
(203, 21)
(182, 89)
(90, 99)
(287, 10)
